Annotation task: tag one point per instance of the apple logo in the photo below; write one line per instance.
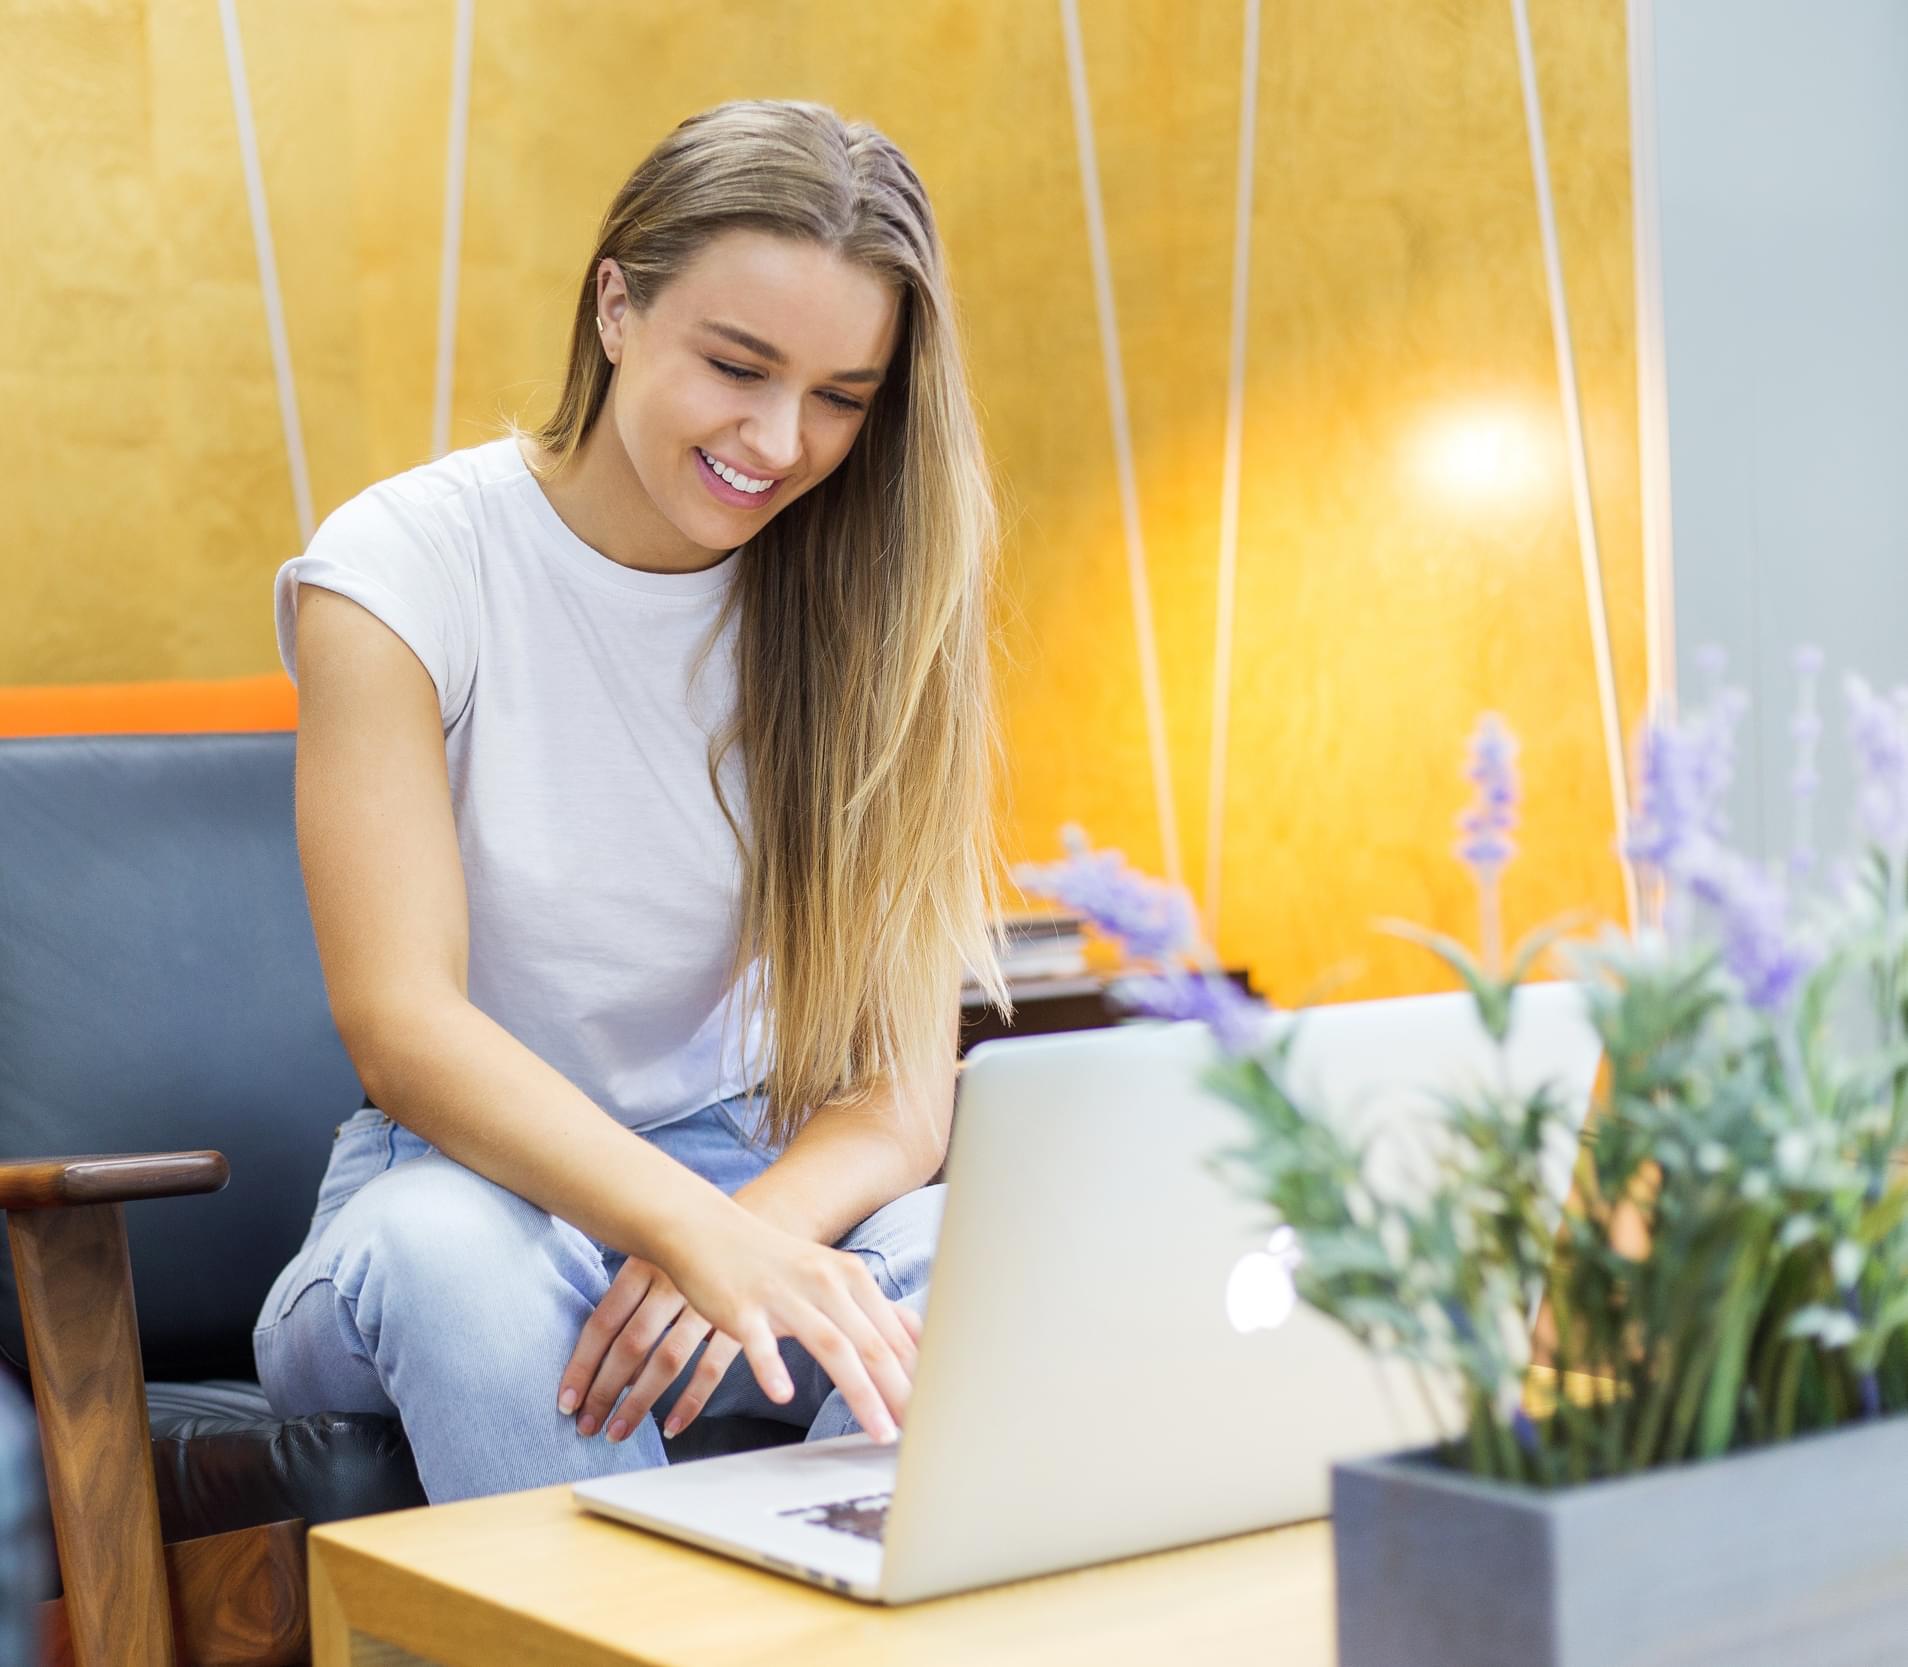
(1259, 1294)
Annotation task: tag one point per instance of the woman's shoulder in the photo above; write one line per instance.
(441, 489)
(432, 514)
(408, 549)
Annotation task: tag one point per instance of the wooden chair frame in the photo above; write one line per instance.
(130, 1600)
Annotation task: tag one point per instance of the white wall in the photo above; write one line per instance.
(1783, 158)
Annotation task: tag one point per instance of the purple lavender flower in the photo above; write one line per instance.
(1750, 905)
(1669, 813)
(1153, 920)
(1239, 1022)
(1486, 845)
(1679, 830)
(1880, 727)
(1684, 771)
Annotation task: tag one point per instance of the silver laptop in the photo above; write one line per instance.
(1111, 1361)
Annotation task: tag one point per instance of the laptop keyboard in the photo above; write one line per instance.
(866, 1517)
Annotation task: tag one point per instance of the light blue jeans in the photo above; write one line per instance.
(427, 1293)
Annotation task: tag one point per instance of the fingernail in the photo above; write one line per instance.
(886, 1433)
(586, 1425)
(566, 1402)
(618, 1429)
(784, 1389)
(670, 1428)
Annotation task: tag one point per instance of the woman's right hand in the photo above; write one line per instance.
(755, 1283)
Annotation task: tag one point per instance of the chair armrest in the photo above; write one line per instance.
(46, 1183)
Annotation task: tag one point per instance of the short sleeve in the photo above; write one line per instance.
(389, 555)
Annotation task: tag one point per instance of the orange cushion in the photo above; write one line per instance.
(173, 707)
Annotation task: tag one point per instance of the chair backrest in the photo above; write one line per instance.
(159, 990)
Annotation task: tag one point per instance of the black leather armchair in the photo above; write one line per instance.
(160, 993)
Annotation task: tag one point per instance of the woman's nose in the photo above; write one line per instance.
(774, 436)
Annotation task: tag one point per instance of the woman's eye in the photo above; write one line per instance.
(741, 373)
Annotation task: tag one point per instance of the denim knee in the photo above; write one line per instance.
(432, 1238)
(897, 1241)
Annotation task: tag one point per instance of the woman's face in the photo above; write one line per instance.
(745, 382)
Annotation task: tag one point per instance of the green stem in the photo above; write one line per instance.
(1576, 1442)
(1509, 1453)
(1722, 1401)
(1623, 1413)
(1788, 1386)
(1662, 1376)
(1479, 1431)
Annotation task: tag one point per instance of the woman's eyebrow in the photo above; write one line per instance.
(776, 356)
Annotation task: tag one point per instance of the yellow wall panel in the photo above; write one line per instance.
(1408, 555)
(1583, 75)
(300, 73)
(398, 93)
(137, 412)
(1164, 90)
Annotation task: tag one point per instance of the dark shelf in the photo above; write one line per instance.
(1043, 1006)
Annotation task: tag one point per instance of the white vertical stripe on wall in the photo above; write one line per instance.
(267, 269)
(1574, 445)
(1229, 485)
(456, 167)
(1652, 382)
(1122, 444)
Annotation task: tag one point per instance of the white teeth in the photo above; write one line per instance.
(735, 477)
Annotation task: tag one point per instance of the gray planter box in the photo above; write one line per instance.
(1790, 1556)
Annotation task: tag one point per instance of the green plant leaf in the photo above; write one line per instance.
(1492, 997)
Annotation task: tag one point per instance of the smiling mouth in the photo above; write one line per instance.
(736, 484)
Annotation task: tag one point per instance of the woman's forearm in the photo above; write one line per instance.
(455, 1077)
(848, 1161)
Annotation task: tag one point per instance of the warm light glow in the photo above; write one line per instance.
(1495, 454)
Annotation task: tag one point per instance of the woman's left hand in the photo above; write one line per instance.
(643, 1334)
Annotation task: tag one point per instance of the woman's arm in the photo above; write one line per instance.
(378, 845)
(846, 1162)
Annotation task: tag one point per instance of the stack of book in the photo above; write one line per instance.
(1039, 946)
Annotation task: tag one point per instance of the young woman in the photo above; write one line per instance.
(643, 797)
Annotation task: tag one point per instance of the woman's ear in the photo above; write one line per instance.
(612, 308)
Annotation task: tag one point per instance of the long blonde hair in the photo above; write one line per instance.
(864, 703)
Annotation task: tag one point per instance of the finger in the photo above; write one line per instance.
(840, 1357)
(913, 1325)
(891, 1320)
(717, 1358)
(888, 1318)
(627, 1354)
(877, 1357)
(911, 1318)
(600, 1330)
(765, 1362)
(665, 1365)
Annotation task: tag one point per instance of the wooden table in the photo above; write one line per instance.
(529, 1580)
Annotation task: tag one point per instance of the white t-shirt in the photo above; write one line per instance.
(603, 881)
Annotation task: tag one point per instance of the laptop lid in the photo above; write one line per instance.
(1083, 1392)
